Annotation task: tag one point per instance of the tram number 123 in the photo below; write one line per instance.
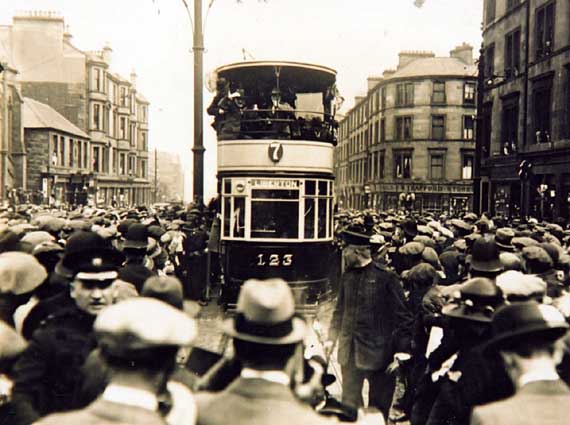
(274, 260)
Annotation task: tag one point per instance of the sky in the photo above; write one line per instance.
(358, 38)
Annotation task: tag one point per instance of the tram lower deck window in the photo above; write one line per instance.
(274, 219)
(279, 209)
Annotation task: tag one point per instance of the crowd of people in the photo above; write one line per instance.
(450, 320)
(454, 320)
(59, 271)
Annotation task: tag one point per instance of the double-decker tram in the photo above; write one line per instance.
(276, 133)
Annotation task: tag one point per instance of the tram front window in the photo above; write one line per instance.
(275, 214)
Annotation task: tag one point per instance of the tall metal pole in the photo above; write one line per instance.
(198, 148)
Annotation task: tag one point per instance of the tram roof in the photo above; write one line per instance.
(305, 77)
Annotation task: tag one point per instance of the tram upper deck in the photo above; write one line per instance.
(275, 100)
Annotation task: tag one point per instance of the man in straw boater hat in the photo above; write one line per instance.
(138, 339)
(526, 336)
(371, 323)
(266, 335)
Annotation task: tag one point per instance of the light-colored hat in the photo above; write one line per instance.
(141, 323)
(265, 314)
(20, 273)
(515, 284)
(37, 237)
(11, 343)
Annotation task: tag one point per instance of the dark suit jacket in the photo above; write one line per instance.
(254, 401)
(541, 402)
(102, 412)
(371, 317)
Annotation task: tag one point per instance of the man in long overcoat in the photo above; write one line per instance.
(371, 323)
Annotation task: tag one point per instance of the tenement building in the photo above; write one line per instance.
(118, 126)
(525, 108)
(83, 90)
(410, 141)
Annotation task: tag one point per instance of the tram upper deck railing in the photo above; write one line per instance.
(276, 124)
(274, 100)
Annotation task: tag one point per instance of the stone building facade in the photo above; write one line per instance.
(525, 108)
(82, 88)
(57, 157)
(410, 141)
(118, 126)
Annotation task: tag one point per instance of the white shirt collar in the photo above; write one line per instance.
(538, 375)
(131, 397)
(276, 376)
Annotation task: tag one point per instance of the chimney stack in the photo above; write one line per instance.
(464, 53)
(107, 53)
(410, 56)
(133, 78)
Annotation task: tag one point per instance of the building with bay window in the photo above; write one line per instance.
(413, 133)
(81, 87)
(118, 126)
(525, 108)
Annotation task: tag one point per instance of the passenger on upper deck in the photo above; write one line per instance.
(254, 112)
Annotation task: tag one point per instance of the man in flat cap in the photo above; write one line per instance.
(371, 323)
(266, 335)
(525, 335)
(138, 339)
(47, 376)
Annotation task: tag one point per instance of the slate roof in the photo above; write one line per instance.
(39, 115)
(424, 67)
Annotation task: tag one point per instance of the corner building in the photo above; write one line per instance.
(410, 141)
(525, 108)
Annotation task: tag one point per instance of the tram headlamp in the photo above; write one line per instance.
(240, 187)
